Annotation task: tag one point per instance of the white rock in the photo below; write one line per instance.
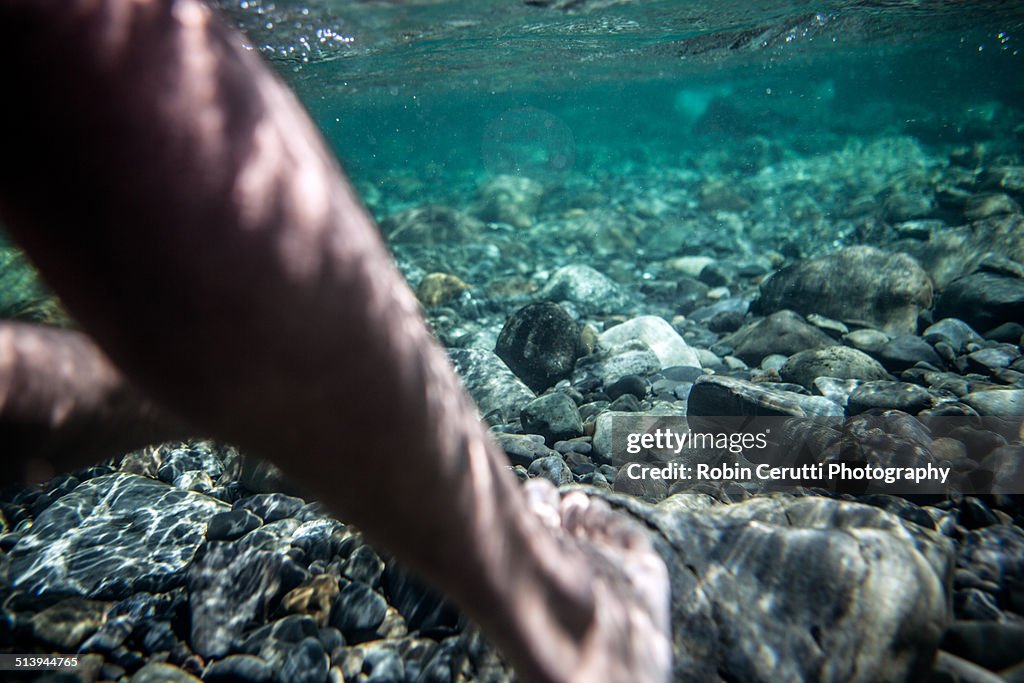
(666, 343)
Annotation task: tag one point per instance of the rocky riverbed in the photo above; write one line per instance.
(882, 281)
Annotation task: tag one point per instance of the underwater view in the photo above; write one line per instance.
(736, 291)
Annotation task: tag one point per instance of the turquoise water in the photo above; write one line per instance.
(423, 99)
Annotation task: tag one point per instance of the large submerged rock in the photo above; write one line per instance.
(112, 536)
(861, 285)
(789, 588)
(498, 393)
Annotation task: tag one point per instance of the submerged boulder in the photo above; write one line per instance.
(539, 343)
(783, 332)
(861, 285)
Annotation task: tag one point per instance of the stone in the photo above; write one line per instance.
(306, 663)
(836, 390)
(988, 205)
(229, 589)
(630, 385)
(227, 526)
(553, 416)
(983, 300)
(552, 468)
(159, 672)
(508, 199)
(783, 332)
(883, 394)
(867, 340)
(587, 288)
(717, 396)
(840, 362)
(234, 668)
(997, 402)
(498, 393)
(835, 591)
(431, 225)
(610, 364)
(113, 535)
(363, 565)
(523, 449)
(906, 350)
(992, 645)
(954, 332)
(424, 610)
(271, 507)
(860, 285)
(177, 458)
(67, 624)
(539, 343)
(313, 597)
(357, 612)
(663, 340)
(436, 289)
(994, 358)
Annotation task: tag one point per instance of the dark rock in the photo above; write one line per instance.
(364, 565)
(993, 358)
(585, 287)
(689, 294)
(238, 668)
(553, 416)
(552, 468)
(725, 322)
(782, 332)
(497, 392)
(994, 646)
(859, 284)
(118, 534)
(227, 526)
(157, 672)
(313, 598)
(357, 612)
(840, 362)
(705, 314)
(229, 590)
(159, 636)
(954, 331)
(884, 395)
(1008, 333)
(188, 456)
(626, 403)
(630, 384)
(271, 507)
(904, 351)
(714, 396)
(540, 344)
(974, 514)
(306, 663)
(681, 374)
(996, 553)
(423, 610)
(995, 403)
(523, 449)
(988, 205)
(67, 624)
(983, 300)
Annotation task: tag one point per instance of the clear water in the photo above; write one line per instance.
(423, 99)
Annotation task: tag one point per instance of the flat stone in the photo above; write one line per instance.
(983, 300)
(997, 402)
(717, 396)
(113, 535)
(953, 331)
(906, 350)
(663, 340)
(840, 362)
(782, 332)
(886, 395)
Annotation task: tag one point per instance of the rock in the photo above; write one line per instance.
(983, 300)
(229, 589)
(306, 663)
(423, 610)
(867, 340)
(859, 284)
(835, 591)
(997, 402)
(112, 536)
(610, 364)
(357, 612)
(954, 332)
(67, 624)
(885, 395)
(523, 449)
(717, 396)
(271, 507)
(313, 597)
(992, 645)
(227, 526)
(234, 668)
(177, 458)
(905, 351)
(783, 332)
(630, 385)
(540, 344)
(904, 206)
(552, 468)
(553, 416)
(432, 225)
(436, 289)
(840, 362)
(499, 395)
(364, 565)
(1004, 178)
(662, 339)
(994, 358)
(508, 199)
(982, 206)
(585, 287)
(158, 672)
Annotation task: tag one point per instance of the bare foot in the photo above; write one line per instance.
(629, 638)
